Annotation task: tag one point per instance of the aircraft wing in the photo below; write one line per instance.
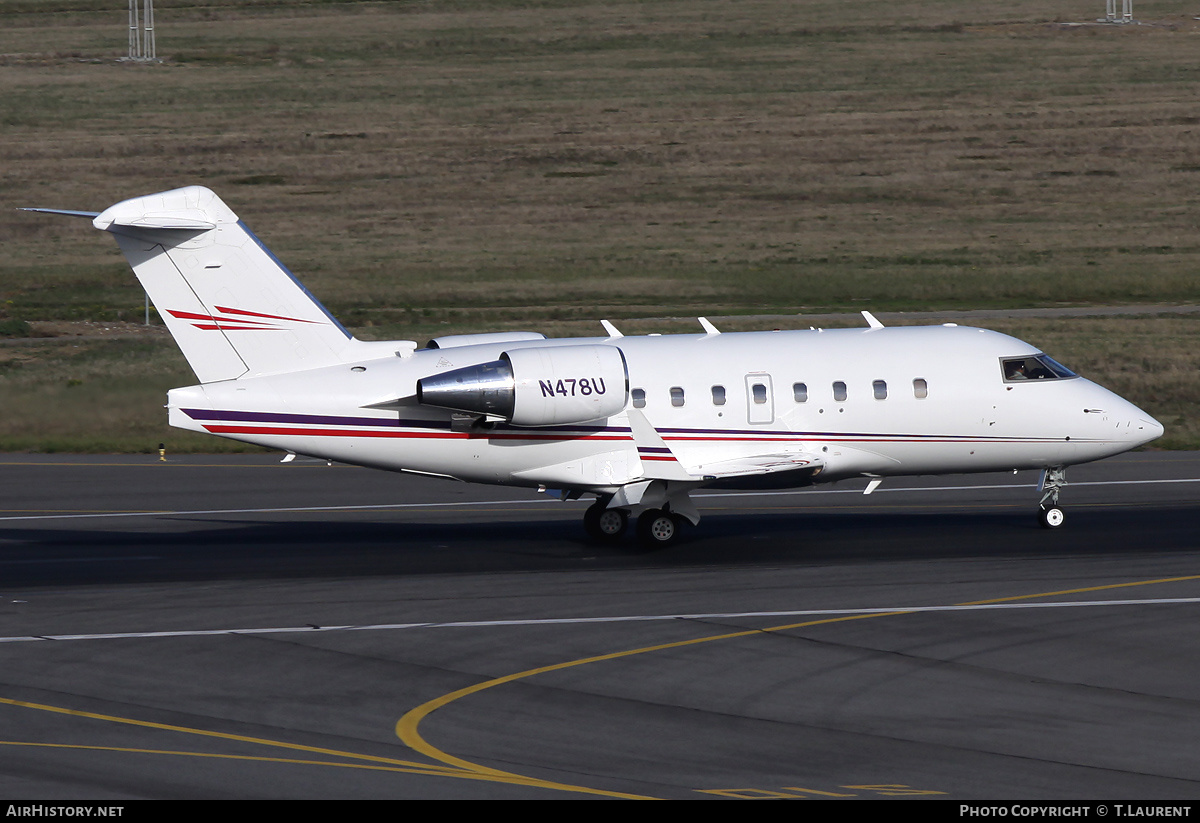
(659, 461)
(760, 464)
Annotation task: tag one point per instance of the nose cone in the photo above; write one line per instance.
(1131, 426)
(1144, 429)
(1111, 424)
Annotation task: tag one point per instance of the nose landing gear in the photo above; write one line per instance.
(1050, 517)
(1050, 514)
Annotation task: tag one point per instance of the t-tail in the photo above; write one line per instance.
(232, 307)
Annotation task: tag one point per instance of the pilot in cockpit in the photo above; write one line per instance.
(1015, 370)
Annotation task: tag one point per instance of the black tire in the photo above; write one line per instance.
(1051, 517)
(604, 523)
(657, 529)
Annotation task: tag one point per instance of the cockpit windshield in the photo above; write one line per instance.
(1036, 367)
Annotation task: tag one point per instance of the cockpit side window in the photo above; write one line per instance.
(1058, 368)
(1036, 367)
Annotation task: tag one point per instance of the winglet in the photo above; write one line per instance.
(658, 461)
(709, 328)
(871, 321)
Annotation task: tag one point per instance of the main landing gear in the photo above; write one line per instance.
(1050, 514)
(604, 523)
(656, 528)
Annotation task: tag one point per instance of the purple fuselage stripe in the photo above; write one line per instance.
(679, 434)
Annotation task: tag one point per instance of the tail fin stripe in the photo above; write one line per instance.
(260, 314)
(238, 323)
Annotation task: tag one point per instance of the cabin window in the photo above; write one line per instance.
(800, 392)
(758, 392)
(839, 391)
(676, 396)
(879, 387)
(718, 394)
(920, 388)
(639, 398)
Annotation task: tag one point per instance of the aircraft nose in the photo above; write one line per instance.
(1145, 429)
(1138, 428)
(1123, 425)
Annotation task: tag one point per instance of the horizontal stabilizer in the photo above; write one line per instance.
(68, 212)
(184, 222)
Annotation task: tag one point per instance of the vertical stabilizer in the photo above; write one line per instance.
(231, 306)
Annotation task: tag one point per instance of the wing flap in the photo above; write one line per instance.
(761, 464)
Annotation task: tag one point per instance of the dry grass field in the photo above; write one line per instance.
(472, 164)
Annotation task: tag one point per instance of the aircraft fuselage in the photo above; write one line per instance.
(881, 401)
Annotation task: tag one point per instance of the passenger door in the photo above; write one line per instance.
(760, 398)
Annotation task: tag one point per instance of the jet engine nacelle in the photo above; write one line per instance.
(538, 386)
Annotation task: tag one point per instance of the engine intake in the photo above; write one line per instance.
(539, 386)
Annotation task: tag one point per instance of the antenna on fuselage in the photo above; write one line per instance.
(613, 331)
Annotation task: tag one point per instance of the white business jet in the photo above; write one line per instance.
(639, 422)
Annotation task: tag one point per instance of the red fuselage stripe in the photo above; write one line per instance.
(486, 435)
